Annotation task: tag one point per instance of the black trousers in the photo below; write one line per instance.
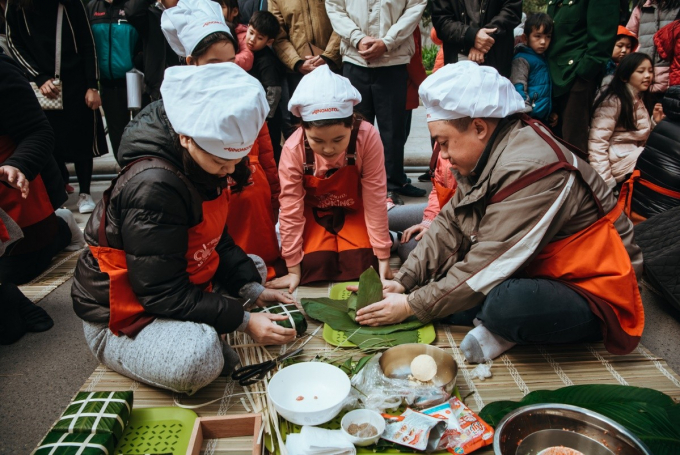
(534, 311)
(383, 97)
(114, 102)
(23, 268)
(575, 111)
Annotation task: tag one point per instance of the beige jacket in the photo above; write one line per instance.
(393, 21)
(613, 151)
(304, 22)
(472, 246)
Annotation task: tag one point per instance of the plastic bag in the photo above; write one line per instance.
(466, 431)
(373, 390)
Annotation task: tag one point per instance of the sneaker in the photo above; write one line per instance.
(85, 203)
(410, 191)
(425, 177)
(77, 238)
(70, 189)
(393, 199)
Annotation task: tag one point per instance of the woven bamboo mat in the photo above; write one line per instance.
(522, 370)
(59, 272)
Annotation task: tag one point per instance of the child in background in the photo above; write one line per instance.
(244, 56)
(667, 42)
(333, 219)
(262, 29)
(626, 42)
(530, 74)
(621, 125)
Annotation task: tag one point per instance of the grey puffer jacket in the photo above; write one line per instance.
(149, 216)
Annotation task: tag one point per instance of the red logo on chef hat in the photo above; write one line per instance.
(237, 150)
(211, 22)
(326, 109)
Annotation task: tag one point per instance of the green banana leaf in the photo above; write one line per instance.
(370, 291)
(653, 416)
(298, 318)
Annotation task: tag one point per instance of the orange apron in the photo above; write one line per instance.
(627, 199)
(592, 262)
(250, 220)
(127, 315)
(335, 238)
(444, 194)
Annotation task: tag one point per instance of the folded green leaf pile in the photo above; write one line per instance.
(341, 315)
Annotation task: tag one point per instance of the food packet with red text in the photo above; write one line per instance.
(415, 430)
(466, 432)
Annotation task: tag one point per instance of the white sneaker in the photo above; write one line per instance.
(77, 238)
(85, 203)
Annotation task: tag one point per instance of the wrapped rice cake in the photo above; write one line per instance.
(58, 443)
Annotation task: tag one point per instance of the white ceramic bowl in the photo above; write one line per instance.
(363, 416)
(321, 386)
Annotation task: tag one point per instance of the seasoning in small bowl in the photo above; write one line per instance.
(362, 427)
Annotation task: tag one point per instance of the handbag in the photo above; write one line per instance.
(53, 104)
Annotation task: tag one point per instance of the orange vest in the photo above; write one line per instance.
(335, 239)
(127, 315)
(593, 262)
(444, 194)
(627, 198)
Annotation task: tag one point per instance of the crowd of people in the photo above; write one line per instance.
(254, 166)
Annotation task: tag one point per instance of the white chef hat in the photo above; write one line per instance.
(219, 105)
(465, 89)
(322, 94)
(186, 24)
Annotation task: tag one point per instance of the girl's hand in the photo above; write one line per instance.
(263, 330)
(270, 296)
(290, 281)
(92, 99)
(14, 178)
(552, 119)
(658, 114)
(50, 90)
(418, 230)
(393, 309)
(384, 269)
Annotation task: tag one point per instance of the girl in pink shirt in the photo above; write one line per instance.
(333, 219)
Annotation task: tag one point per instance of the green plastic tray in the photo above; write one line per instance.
(157, 430)
(426, 334)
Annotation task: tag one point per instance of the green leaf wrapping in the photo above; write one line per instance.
(298, 317)
(370, 291)
(58, 443)
(651, 415)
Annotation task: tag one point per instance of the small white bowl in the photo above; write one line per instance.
(362, 416)
(309, 393)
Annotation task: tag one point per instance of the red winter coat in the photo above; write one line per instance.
(667, 42)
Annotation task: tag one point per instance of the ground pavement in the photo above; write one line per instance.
(42, 372)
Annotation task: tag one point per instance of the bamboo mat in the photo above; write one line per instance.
(522, 370)
(59, 272)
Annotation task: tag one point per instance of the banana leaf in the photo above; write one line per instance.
(653, 416)
(298, 318)
(370, 291)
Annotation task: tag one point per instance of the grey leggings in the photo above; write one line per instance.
(403, 217)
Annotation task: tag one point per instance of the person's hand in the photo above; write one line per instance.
(290, 281)
(393, 309)
(389, 286)
(476, 56)
(658, 114)
(92, 99)
(270, 296)
(310, 64)
(376, 50)
(484, 40)
(50, 90)
(552, 119)
(263, 330)
(365, 43)
(384, 269)
(14, 178)
(418, 230)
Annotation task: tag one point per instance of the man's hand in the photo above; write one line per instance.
(476, 56)
(14, 178)
(290, 281)
(50, 90)
(311, 63)
(483, 40)
(393, 309)
(92, 99)
(389, 286)
(365, 43)
(375, 50)
(270, 296)
(418, 230)
(263, 330)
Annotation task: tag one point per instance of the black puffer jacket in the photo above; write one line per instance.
(659, 162)
(149, 217)
(458, 21)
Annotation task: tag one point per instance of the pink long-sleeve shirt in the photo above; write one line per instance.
(370, 162)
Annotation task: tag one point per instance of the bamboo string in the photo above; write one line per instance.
(515, 374)
(658, 366)
(607, 365)
(555, 366)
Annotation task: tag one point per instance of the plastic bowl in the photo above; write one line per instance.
(309, 393)
(362, 416)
